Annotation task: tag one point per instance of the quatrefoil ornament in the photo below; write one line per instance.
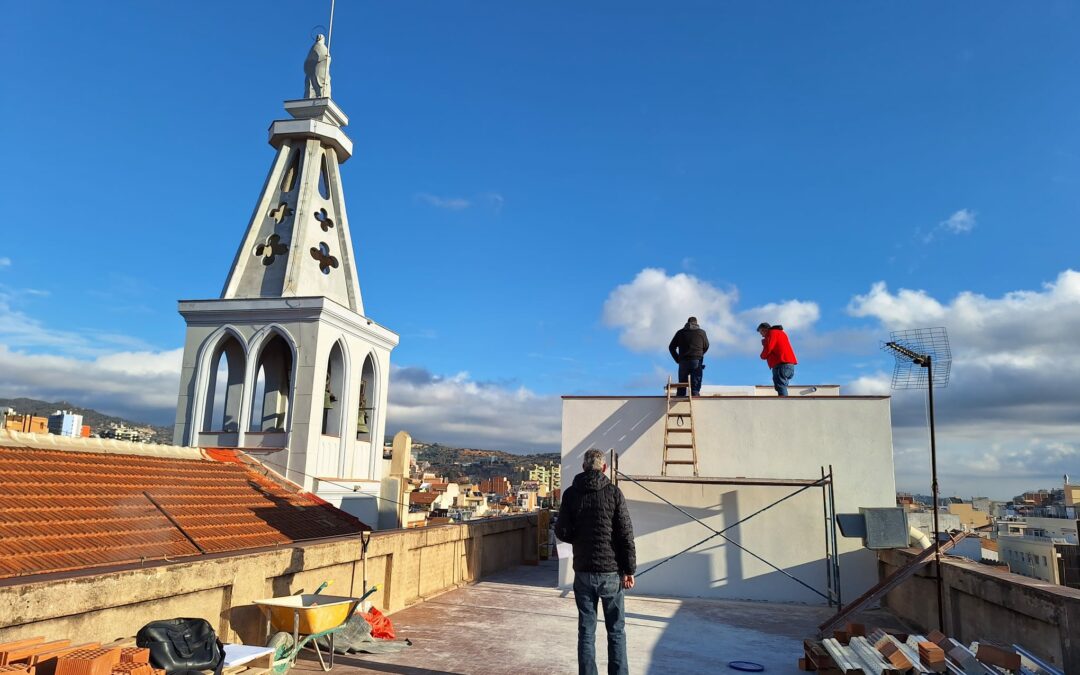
(322, 254)
(325, 221)
(280, 213)
(271, 249)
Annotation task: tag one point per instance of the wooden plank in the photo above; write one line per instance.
(887, 584)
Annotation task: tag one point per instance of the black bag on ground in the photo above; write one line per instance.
(177, 645)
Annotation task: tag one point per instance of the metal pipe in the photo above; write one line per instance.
(835, 545)
(828, 545)
(934, 490)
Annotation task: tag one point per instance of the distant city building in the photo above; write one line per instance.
(496, 485)
(26, 423)
(924, 522)
(65, 423)
(1047, 558)
(549, 475)
(122, 432)
(970, 518)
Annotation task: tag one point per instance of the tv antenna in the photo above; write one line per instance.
(917, 351)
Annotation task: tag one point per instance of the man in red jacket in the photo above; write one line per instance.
(777, 352)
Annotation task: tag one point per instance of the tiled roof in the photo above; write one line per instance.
(422, 497)
(62, 510)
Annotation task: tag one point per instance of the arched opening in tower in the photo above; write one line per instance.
(365, 414)
(333, 397)
(225, 387)
(273, 387)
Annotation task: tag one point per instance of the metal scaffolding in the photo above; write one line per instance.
(832, 593)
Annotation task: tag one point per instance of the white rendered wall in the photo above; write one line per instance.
(759, 437)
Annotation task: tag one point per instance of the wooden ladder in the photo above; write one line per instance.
(681, 436)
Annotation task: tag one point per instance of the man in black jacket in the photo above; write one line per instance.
(593, 518)
(688, 348)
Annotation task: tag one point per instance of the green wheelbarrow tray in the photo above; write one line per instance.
(305, 618)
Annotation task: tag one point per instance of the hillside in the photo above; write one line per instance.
(96, 420)
(475, 464)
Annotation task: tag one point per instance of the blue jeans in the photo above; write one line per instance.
(589, 587)
(690, 368)
(781, 375)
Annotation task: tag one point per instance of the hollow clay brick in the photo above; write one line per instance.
(28, 652)
(9, 646)
(88, 662)
(129, 668)
(134, 655)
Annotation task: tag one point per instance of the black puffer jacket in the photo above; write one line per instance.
(690, 342)
(593, 518)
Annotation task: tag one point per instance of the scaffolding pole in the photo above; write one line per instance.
(828, 499)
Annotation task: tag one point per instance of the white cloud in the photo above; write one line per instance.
(877, 384)
(648, 310)
(104, 372)
(960, 222)
(5, 261)
(1010, 407)
(448, 203)
(458, 410)
(137, 385)
(905, 309)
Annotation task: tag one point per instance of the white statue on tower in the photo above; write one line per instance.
(317, 70)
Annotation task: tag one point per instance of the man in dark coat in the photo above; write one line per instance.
(593, 517)
(688, 348)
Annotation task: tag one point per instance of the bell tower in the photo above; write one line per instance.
(285, 365)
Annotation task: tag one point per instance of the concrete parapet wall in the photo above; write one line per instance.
(987, 603)
(410, 565)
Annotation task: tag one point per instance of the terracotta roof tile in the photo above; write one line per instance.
(62, 510)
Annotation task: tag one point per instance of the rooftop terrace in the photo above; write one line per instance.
(517, 621)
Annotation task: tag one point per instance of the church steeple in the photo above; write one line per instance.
(297, 242)
(284, 364)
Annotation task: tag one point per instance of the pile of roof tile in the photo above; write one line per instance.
(877, 652)
(35, 656)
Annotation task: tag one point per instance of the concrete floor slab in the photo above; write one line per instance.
(518, 622)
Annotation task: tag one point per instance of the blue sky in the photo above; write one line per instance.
(516, 164)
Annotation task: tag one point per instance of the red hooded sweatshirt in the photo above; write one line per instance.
(776, 348)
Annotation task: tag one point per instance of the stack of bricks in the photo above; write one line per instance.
(46, 662)
(89, 661)
(889, 648)
(134, 661)
(932, 657)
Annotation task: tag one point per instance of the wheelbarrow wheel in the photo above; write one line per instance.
(283, 645)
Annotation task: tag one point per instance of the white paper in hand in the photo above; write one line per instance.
(565, 551)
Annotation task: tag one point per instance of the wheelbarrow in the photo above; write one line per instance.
(307, 617)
